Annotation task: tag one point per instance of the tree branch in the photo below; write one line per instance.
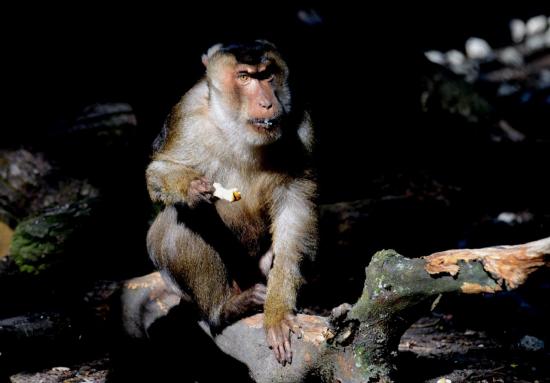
(356, 343)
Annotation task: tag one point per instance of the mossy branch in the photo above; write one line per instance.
(358, 343)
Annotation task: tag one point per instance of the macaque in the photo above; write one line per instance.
(236, 127)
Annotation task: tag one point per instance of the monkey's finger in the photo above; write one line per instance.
(282, 355)
(259, 294)
(281, 340)
(285, 341)
(206, 185)
(288, 350)
(260, 287)
(262, 294)
(259, 298)
(273, 344)
(205, 199)
(295, 327)
(277, 354)
(204, 188)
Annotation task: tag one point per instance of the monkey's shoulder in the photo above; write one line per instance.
(191, 107)
(195, 100)
(189, 110)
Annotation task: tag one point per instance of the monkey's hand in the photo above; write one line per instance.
(278, 337)
(200, 190)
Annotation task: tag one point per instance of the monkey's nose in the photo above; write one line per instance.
(266, 104)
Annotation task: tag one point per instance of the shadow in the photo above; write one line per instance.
(177, 350)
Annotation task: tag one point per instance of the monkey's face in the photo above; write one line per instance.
(254, 96)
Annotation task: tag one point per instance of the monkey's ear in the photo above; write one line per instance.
(209, 53)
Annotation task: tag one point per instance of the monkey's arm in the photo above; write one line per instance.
(294, 232)
(171, 182)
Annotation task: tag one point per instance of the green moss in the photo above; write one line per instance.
(368, 370)
(43, 241)
(377, 284)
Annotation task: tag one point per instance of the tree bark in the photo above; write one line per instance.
(357, 343)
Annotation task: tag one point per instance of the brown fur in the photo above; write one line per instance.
(211, 252)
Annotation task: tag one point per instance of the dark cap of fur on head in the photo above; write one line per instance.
(248, 52)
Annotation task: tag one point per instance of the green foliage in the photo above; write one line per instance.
(455, 97)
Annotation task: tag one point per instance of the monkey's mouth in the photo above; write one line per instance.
(265, 124)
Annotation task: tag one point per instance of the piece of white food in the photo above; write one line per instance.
(230, 195)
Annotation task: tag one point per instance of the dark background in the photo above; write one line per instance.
(358, 70)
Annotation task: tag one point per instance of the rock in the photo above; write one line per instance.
(531, 343)
(43, 241)
(517, 30)
(478, 49)
(29, 184)
(105, 116)
(22, 183)
(39, 326)
(99, 125)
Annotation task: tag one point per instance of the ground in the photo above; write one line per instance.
(434, 348)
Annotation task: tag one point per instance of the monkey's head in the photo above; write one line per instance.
(248, 90)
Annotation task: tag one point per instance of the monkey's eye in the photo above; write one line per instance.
(243, 77)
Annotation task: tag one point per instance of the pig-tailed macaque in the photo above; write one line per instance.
(236, 127)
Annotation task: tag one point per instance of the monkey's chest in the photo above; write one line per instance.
(248, 224)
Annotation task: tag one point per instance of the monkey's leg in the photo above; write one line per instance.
(197, 269)
(266, 262)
